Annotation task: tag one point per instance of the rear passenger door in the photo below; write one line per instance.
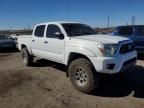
(54, 46)
(37, 41)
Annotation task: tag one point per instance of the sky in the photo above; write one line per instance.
(19, 14)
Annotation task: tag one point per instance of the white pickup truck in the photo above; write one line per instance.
(77, 46)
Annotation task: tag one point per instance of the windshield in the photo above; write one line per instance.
(78, 29)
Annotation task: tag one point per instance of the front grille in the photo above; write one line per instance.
(126, 48)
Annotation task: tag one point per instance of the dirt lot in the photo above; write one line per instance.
(44, 85)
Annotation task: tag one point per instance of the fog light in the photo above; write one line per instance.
(110, 66)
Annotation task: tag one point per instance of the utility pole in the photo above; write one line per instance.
(133, 20)
(108, 21)
(127, 24)
(10, 28)
(28, 27)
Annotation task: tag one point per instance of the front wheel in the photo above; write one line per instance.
(27, 58)
(82, 75)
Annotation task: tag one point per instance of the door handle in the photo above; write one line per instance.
(45, 42)
(33, 40)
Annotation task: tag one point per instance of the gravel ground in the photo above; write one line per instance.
(45, 85)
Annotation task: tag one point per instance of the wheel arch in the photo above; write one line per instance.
(25, 46)
(73, 56)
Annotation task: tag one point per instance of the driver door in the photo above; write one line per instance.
(54, 46)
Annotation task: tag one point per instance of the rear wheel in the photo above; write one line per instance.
(82, 75)
(27, 58)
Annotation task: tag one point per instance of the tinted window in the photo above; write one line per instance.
(139, 31)
(51, 30)
(78, 29)
(125, 31)
(39, 31)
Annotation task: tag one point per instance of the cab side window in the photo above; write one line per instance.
(51, 30)
(39, 31)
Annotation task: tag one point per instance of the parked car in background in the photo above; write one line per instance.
(6, 43)
(136, 33)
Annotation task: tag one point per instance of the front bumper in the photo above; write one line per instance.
(111, 65)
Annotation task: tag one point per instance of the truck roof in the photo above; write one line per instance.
(57, 22)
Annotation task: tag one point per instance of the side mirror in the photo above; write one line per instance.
(59, 35)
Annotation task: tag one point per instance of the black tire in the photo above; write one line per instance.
(27, 58)
(83, 75)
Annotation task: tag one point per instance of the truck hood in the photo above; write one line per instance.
(106, 39)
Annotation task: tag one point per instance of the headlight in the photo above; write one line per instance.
(107, 49)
